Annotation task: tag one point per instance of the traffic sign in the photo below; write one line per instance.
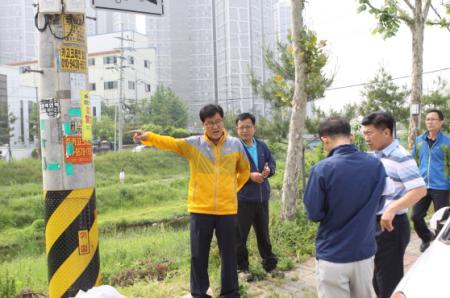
(154, 7)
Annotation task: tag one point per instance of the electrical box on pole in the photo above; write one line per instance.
(71, 231)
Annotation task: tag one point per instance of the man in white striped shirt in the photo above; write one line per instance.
(393, 229)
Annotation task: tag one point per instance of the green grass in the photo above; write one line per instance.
(139, 222)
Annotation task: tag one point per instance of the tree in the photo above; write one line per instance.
(381, 93)
(6, 122)
(167, 109)
(439, 99)
(390, 16)
(103, 130)
(349, 112)
(298, 114)
(298, 78)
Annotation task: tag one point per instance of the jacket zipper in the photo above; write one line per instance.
(217, 176)
(429, 162)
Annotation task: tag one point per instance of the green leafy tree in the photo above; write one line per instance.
(167, 109)
(390, 16)
(279, 89)
(383, 94)
(298, 77)
(275, 129)
(439, 98)
(6, 122)
(349, 112)
(104, 129)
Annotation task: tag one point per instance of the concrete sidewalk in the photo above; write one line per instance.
(301, 280)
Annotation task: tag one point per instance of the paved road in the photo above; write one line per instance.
(301, 281)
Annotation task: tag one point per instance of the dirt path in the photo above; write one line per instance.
(301, 282)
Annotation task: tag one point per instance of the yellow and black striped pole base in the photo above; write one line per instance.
(71, 241)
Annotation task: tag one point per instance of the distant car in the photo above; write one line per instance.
(429, 275)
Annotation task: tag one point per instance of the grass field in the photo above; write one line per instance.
(144, 238)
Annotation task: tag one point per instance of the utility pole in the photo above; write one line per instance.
(121, 89)
(71, 232)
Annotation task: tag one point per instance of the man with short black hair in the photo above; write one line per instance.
(218, 169)
(344, 193)
(432, 153)
(393, 230)
(253, 199)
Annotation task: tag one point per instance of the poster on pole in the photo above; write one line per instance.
(73, 28)
(86, 116)
(76, 150)
(72, 59)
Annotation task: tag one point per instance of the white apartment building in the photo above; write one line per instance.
(18, 37)
(282, 19)
(104, 55)
(20, 100)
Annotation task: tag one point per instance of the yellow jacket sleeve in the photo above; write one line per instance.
(166, 143)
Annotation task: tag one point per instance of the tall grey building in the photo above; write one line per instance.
(206, 48)
(282, 19)
(108, 21)
(18, 37)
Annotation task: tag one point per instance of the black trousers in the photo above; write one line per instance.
(389, 257)
(440, 199)
(256, 215)
(202, 227)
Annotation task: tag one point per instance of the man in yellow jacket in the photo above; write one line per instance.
(218, 169)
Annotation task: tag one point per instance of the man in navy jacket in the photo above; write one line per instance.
(343, 194)
(253, 205)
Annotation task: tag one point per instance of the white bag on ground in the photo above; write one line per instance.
(99, 292)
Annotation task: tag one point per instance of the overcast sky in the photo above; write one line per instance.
(355, 54)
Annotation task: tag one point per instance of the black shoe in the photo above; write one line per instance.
(424, 245)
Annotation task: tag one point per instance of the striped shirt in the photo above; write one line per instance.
(403, 171)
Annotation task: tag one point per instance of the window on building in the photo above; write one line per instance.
(148, 88)
(131, 85)
(94, 111)
(130, 60)
(92, 86)
(110, 60)
(147, 63)
(110, 85)
(91, 61)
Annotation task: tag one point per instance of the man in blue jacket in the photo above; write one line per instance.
(344, 193)
(253, 205)
(432, 153)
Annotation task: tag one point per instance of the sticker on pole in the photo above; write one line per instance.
(83, 242)
(50, 108)
(86, 116)
(74, 29)
(77, 151)
(72, 59)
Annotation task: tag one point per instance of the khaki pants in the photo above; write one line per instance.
(344, 280)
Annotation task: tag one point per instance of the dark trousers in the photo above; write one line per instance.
(389, 256)
(256, 215)
(440, 199)
(202, 227)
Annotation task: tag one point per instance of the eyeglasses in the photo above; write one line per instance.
(244, 127)
(210, 124)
